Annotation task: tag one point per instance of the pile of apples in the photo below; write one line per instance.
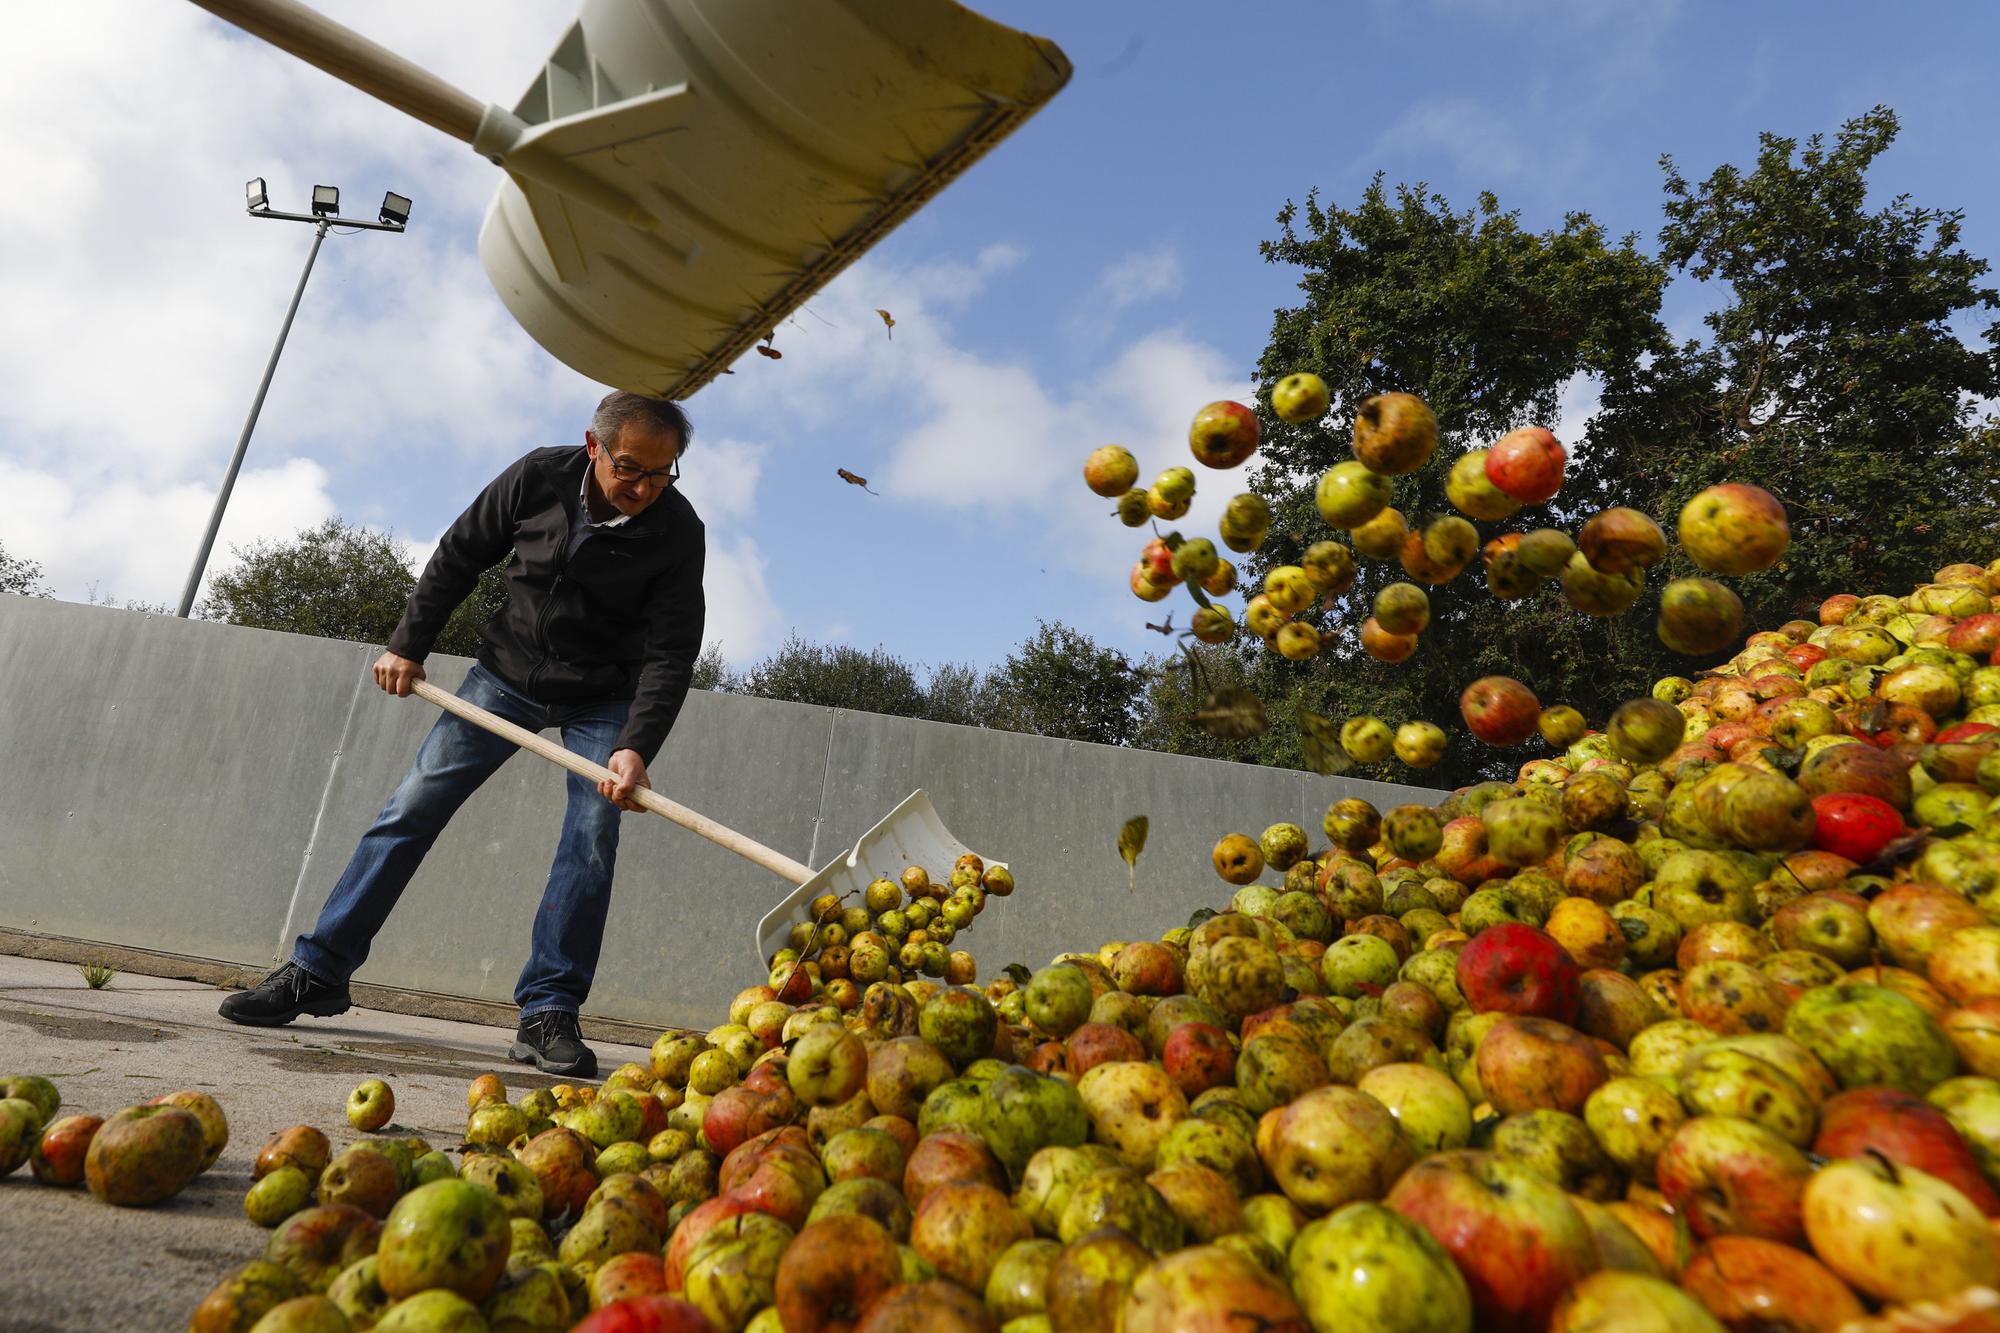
(902, 927)
(1695, 1025)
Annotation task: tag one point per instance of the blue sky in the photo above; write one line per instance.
(1095, 279)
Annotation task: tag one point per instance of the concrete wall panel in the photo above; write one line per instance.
(159, 779)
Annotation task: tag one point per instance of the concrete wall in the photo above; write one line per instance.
(196, 789)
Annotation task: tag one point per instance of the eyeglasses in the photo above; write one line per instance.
(662, 476)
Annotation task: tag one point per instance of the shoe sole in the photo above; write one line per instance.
(320, 1009)
(522, 1053)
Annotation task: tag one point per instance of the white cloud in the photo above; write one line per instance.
(123, 539)
(1136, 278)
(1473, 137)
(741, 615)
(721, 479)
(1141, 277)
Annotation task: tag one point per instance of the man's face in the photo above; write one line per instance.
(633, 471)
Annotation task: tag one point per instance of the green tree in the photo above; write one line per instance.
(1060, 682)
(337, 581)
(961, 693)
(340, 581)
(1834, 374)
(460, 635)
(711, 672)
(837, 676)
(18, 574)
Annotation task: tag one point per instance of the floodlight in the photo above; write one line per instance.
(326, 200)
(396, 209)
(256, 194)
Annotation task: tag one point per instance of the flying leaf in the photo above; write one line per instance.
(1132, 841)
(1017, 972)
(1232, 713)
(1201, 914)
(1319, 742)
(888, 323)
(853, 480)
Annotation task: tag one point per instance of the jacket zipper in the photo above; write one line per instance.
(542, 620)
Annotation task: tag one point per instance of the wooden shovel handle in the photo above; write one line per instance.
(352, 58)
(722, 836)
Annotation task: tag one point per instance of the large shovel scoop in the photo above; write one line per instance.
(911, 834)
(682, 175)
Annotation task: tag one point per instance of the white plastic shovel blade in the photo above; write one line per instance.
(910, 835)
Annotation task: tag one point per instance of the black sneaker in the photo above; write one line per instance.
(553, 1040)
(283, 996)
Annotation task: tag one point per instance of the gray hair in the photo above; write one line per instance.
(656, 414)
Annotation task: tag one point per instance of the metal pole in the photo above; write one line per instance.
(243, 441)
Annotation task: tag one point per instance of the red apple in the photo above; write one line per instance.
(1908, 1131)
(1754, 1284)
(1526, 465)
(1514, 1235)
(1528, 1064)
(1197, 1057)
(1518, 969)
(1733, 1176)
(1854, 825)
(1913, 921)
(1976, 636)
(1500, 710)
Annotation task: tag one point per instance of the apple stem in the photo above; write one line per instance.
(1887, 1165)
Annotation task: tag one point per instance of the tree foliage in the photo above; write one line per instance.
(460, 635)
(340, 581)
(18, 574)
(1835, 372)
(711, 672)
(1061, 682)
(1058, 682)
(837, 676)
(336, 581)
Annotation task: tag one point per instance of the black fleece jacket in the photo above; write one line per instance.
(621, 618)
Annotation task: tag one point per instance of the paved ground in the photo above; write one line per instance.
(73, 1264)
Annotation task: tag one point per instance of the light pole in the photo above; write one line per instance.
(394, 216)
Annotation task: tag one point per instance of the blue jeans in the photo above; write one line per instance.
(454, 760)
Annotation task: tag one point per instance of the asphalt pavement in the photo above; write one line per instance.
(69, 1264)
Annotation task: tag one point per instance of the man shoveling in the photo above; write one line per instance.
(598, 636)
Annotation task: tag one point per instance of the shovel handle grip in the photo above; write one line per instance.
(352, 58)
(774, 861)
